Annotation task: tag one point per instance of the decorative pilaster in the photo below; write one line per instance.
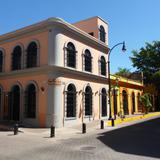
(54, 109)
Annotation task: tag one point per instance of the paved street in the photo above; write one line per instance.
(137, 142)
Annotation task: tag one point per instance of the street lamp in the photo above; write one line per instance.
(109, 80)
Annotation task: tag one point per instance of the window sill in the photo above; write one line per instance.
(103, 75)
(70, 118)
(72, 68)
(87, 72)
(104, 117)
(88, 116)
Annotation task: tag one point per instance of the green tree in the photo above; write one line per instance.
(156, 80)
(147, 60)
(124, 72)
(145, 99)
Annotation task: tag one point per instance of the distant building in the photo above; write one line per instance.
(125, 96)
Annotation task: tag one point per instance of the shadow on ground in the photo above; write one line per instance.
(139, 139)
(7, 126)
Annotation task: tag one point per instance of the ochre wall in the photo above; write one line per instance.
(8, 47)
(40, 81)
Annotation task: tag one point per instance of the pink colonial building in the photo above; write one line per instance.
(53, 72)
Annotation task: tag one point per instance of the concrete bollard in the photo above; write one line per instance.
(102, 124)
(83, 128)
(52, 131)
(15, 130)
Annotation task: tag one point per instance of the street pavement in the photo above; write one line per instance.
(132, 141)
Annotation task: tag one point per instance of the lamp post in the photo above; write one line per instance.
(109, 80)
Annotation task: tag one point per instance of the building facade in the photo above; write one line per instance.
(125, 96)
(55, 73)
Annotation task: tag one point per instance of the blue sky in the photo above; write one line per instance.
(135, 21)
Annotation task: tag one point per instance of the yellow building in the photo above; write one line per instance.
(125, 95)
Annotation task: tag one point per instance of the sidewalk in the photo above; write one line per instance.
(64, 132)
(91, 128)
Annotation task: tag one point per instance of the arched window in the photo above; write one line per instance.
(30, 101)
(32, 55)
(139, 103)
(115, 91)
(125, 102)
(104, 102)
(103, 66)
(71, 101)
(1, 61)
(88, 101)
(87, 61)
(16, 58)
(102, 34)
(71, 55)
(15, 103)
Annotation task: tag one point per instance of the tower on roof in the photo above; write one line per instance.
(96, 27)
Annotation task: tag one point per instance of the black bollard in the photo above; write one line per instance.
(15, 130)
(52, 131)
(102, 124)
(112, 122)
(83, 128)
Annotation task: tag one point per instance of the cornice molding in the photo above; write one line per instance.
(68, 73)
(61, 71)
(49, 24)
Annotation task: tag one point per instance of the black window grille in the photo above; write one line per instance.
(15, 103)
(102, 34)
(103, 66)
(71, 55)
(9, 108)
(87, 61)
(115, 101)
(104, 102)
(16, 58)
(1, 61)
(71, 101)
(30, 101)
(32, 55)
(88, 101)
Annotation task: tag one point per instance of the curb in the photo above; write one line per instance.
(130, 119)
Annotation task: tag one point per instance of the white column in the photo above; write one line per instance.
(55, 49)
(57, 103)
(54, 109)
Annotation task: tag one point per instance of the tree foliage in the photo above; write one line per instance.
(145, 99)
(147, 60)
(124, 72)
(156, 79)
